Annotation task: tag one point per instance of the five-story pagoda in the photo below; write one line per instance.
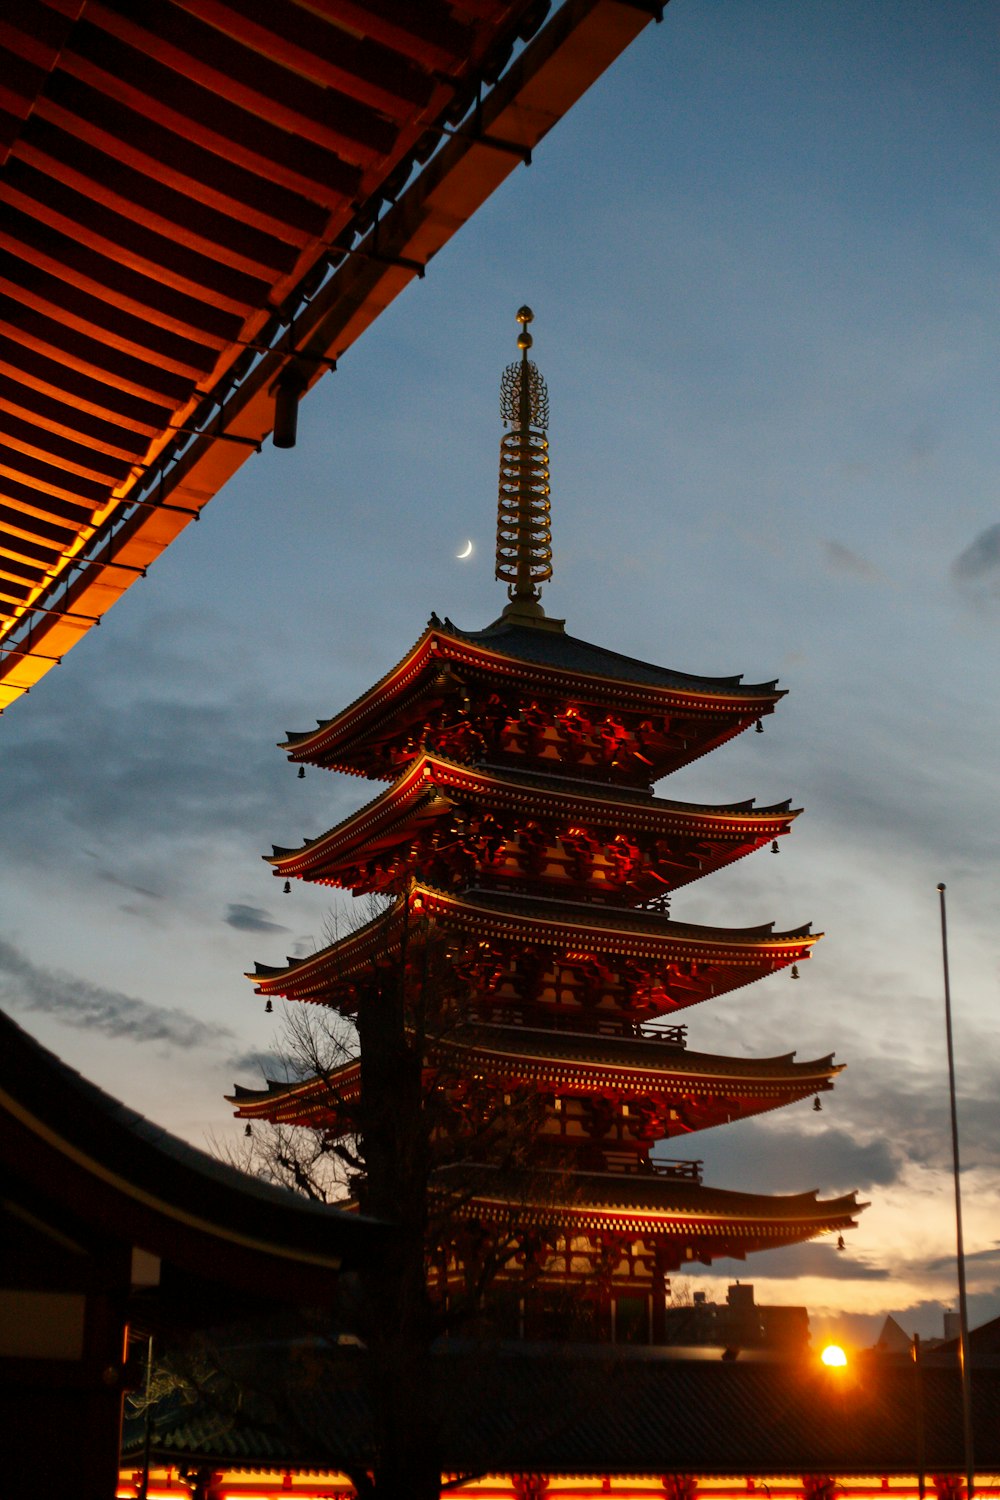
(529, 868)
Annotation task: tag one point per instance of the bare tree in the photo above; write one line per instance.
(398, 1124)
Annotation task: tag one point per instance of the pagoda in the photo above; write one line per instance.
(518, 834)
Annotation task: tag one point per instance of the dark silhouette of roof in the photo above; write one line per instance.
(552, 1408)
(81, 1156)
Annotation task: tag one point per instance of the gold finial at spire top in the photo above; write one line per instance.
(524, 538)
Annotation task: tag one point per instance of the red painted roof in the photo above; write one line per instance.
(537, 659)
(570, 1062)
(664, 1206)
(736, 956)
(426, 789)
(188, 193)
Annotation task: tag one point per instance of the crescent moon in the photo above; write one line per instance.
(466, 551)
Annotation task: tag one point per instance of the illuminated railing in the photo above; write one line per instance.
(674, 1036)
(681, 1171)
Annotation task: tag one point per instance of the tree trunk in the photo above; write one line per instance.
(407, 1458)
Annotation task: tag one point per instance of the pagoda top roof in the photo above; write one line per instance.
(536, 657)
(568, 653)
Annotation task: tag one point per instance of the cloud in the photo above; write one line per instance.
(913, 1099)
(251, 919)
(817, 1258)
(840, 559)
(976, 571)
(253, 1066)
(76, 1002)
(983, 1257)
(128, 885)
(143, 765)
(925, 1317)
(782, 1157)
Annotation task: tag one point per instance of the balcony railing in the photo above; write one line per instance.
(673, 1036)
(680, 1171)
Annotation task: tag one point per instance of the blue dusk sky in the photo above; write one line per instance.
(762, 258)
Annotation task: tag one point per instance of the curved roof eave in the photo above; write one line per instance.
(193, 212)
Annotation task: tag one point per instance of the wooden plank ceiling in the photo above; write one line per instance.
(200, 197)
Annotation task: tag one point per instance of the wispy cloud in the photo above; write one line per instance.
(787, 1158)
(251, 919)
(187, 764)
(818, 1258)
(911, 1101)
(253, 1066)
(983, 1257)
(27, 986)
(128, 885)
(840, 559)
(976, 571)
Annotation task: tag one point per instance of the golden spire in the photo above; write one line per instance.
(524, 537)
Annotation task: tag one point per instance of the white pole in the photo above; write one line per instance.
(963, 1306)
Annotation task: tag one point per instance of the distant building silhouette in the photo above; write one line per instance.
(738, 1323)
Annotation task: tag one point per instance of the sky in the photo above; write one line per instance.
(761, 253)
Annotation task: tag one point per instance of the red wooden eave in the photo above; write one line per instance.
(177, 179)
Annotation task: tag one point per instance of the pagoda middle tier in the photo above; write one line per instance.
(612, 1098)
(533, 961)
(498, 828)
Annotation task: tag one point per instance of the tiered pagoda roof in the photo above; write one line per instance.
(671, 1206)
(698, 1089)
(468, 817)
(520, 840)
(662, 964)
(508, 670)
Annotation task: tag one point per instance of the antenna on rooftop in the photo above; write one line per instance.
(524, 536)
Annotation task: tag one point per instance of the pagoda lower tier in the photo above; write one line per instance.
(529, 961)
(653, 1222)
(535, 697)
(608, 1099)
(498, 828)
(591, 1253)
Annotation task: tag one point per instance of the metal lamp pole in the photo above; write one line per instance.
(963, 1306)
